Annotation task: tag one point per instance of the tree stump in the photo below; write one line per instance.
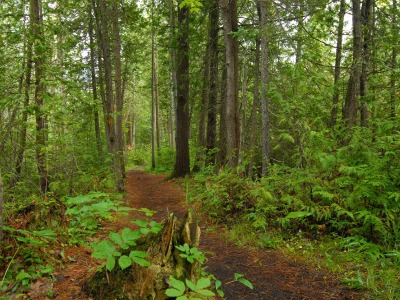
(137, 282)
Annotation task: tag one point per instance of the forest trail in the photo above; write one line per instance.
(273, 275)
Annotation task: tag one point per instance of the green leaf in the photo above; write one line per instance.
(116, 238)
(298, 214)
(136, 253)
(246, 282)
(128, 235)
(183, 298)
(138, 257)
(203, 283)
(141, 223)
(105, 246)
(124, 262)
(110, 263)
(207, 293)
(23, 275)
(177, 284)
(191, 285)
(173, 292)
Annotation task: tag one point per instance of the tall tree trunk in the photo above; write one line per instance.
(367, 22)
(202, 138)
(213, 86)
(243, 106)
(266, 143)
(153, 92)
(230, 21)
(393, 63)
(22, 133)
(338, 59)
(173, 86)
(40, 89)
(182, 162)
(1, 207)
(353, 89)
(222, 154)
(157, 103)
(299, 33)
(100, 63)
(153, 98)
(119, 100)
(94, 85)
(256, 100)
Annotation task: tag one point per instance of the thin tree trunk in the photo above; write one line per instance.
(1, 207)
(213, 85)
(94, 86)
(230, 21)
(119, 100)
(182, 162)
(202, 138)
(266, 143)
(222, 154)
(367, 22)
(243, 123)
(157, 103)
(353, 90)
(153, 92)
(299, 33)
(22, 133)
(37, 26)
(393, 63)
(338, 59)
(173, 86)
(256, 100)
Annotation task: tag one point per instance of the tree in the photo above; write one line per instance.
(266, 146)
(213, 86)
(182, 160)
(367, 26)
(1, 207)
(351, 103)
(338, 59)
(40, 90)
(230, 23)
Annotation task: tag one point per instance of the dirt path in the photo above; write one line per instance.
(273, 275)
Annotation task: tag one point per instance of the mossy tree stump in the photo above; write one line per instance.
(137, 282)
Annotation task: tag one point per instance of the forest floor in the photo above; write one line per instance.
(273, 274)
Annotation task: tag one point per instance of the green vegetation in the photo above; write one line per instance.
(341, 208)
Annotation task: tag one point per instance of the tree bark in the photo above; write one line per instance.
(367, 25)
(153, 96)
(1, 207)
(22, 133)
(393, 63)
(40, 89)
(266, 143)
(353, 89)
(202, 138)
(173, 86)
(230, 22)
(256, 100)
(94, 85)
(222, 154)
(182, 161)
(119, 100)
(213, 86)
(338, 59)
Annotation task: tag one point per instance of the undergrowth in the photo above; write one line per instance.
(37, 229)
(341, 205)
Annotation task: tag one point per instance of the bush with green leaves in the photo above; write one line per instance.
(122, 246)
(86, 212)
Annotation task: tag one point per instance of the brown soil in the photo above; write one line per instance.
(273, 275)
